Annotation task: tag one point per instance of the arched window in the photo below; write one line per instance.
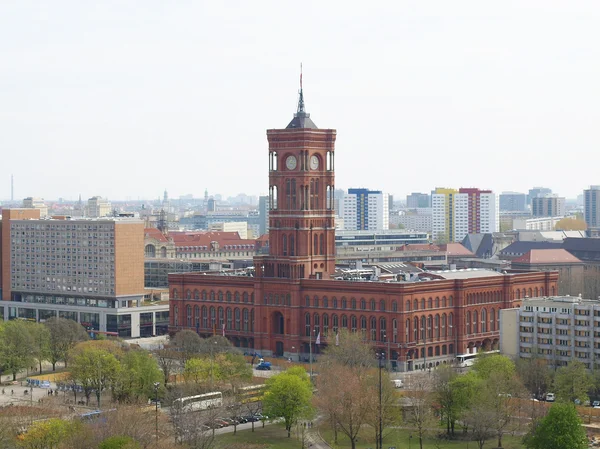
(245, 317)
(394, 306)
(335, 323)
(353, 323)
(188, 294)
(383, 336)
(307, 324)
(204, 295)
(430, 327)
(245, 297)
(344, 305)
(492, 320)
(444, 328)
(416, 303)
(321, 244)
(325, 302)
(212, 295)
(317, 323)
(468, 323)
(307, 301)
(422, 303)
(325, 325)
(188, 311)
(451, 301)
(236, 297)
(363, 304)
(450, 326)
(430, 303)
(228, 296)
(344, 322)
(175, 294)
(334, 301)
(437, 302)
(292, 245)
(407, 333)
(221, 317)
(382, 305)
(229, 314)
(407, 307)
(150, 251)
(518, 294)
(475, 322)
(237, 319)
(363, 325)
(204, 317)
(373, 328)
(395, 330)
(316, 301)
(423, 328)
(416, 329)
(483, 320)
(316, 244)
(436, 326)
(176, 313)
(353, 303)
(197, 316)
(196, 294)
(213, 318)
(443, 301)
(373, 305)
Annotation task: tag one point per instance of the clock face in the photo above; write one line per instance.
(290, 162)
(314, 162)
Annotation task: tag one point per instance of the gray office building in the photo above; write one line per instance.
(513, 202)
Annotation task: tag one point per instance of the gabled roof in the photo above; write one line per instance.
(155, 234)
(456, 249)
(524, 247)
(482, 245)
(547, 256)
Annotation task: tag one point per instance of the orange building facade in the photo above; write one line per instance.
(293, 299)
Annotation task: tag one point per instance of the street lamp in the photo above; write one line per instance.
(156, 385)
(389, 359)
(310, 351)
(381, 361)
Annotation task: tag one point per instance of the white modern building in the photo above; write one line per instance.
(557, 328)
(365, 210)
(420, 221)
(457, 213)
(36, 203)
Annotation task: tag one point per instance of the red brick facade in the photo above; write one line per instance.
(426, 322)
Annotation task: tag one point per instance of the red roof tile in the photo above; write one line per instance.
(155, 234)
(547, 256)
(456, 249)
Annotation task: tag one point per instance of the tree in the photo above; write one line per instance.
(389, 410)
(570, 224)
(344, 396)
(197, 370)
(16, 346)
(535, 374)
(560, 429)
(464, 388)
(445, 395)
(167, 362)
(233, 369)
(64, 335)
(137, 374)
(48, 434)
(352, 351)
(95, 370)
(119, 442)
(288, 396)
(480, 419)
(501, 365)
(419, 412)
(572, 382)
(187, 343)
(40, 335)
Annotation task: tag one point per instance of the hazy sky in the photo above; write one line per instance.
(124, 99)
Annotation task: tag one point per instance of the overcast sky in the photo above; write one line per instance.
(124, 99)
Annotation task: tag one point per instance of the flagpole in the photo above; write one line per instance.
(310, 352)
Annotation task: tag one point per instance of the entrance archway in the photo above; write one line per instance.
(278, 323)
(279, 348)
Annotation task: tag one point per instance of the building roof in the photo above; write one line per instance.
(456, 249)
(468, 273)
(482, 245)
(205, 238)
(419, 247)
(547, 256)
(301, 120)
(581, 244)
(155, 234)
(521, 248)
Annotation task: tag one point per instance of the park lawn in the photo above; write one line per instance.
(273, 436)
(399, 438)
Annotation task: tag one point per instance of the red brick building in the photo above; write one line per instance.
(293, 297)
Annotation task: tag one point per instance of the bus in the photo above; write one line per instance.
(199, 402)
(253, 393)
(96, 415)
(466, 360)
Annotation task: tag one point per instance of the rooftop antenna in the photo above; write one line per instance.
(301, 99)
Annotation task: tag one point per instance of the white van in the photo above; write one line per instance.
(397, 383)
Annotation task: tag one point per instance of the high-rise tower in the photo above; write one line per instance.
(301, 201)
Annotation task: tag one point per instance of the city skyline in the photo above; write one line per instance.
(122, 101)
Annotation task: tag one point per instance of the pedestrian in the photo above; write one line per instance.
(12, 392)
(3, 391)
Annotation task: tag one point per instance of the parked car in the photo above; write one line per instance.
(550, 397)
(596, 404)
(397, 383)
(44, 384)
(251, 418)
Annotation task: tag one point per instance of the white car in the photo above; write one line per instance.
(550, 397)
(397, 383)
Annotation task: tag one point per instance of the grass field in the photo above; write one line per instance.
(272, 436)
(400, 438)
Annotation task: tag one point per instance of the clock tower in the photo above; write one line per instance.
(301, 200)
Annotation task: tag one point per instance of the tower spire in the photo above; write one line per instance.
(301, 99)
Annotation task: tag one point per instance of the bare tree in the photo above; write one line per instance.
(482, 422)
(418, 405)
(167, 362)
